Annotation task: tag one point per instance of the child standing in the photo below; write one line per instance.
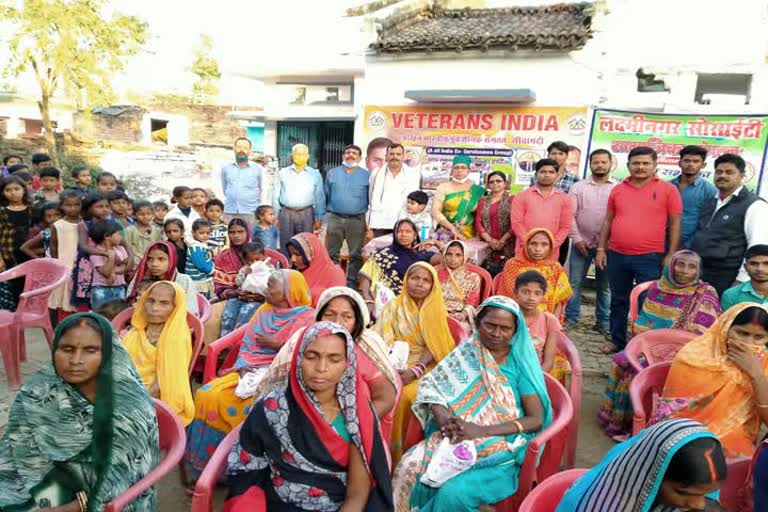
(106, 183)
(108, 270)
(38, 244)
(143, 231)
(160, 210)
(64, 248)
(264, 230)
(219, 240)
(15, 221)
(118, 204)
(82, 177)
(199, 199)
(416, 211)
(183, 211)
(50, 181)
(174, 233)
(199, 264)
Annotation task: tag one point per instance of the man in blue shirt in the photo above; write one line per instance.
(299, 198)
(694, 189)
(241, 184)
(346, 188)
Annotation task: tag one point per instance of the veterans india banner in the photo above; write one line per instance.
(620, 131)
(507, 139)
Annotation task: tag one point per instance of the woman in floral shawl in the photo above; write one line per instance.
(491, 389)
(84, 424)
(461, 286)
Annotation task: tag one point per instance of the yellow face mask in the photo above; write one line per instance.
(300, 160)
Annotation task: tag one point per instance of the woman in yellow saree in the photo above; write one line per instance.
(417, 316)
(455, 201)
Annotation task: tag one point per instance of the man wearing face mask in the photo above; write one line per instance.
(388, 189)
(346, 189)
(299, 199)
(241, 184)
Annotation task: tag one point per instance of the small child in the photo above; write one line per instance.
(38, 244)
(183, 210)
(143, 231)
(106, 183)
(264, 230)
(129, 208)
(118, 204)
(50, 181)
(160, 210)
(112, 308)
(108, 271)
(82, 177)
(544, 327)
(199, 264)
(199, 200)
(240, 308)
(64, 239)
(252, 252)
(26, 176)
(174, 233)
(219, 240)
(416, 210)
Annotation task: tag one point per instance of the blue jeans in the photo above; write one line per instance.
(577, 272)
(103, 294)
(235, 314)
(624, 271)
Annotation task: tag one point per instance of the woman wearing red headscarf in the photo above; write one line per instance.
(159, 264)
(310, 257)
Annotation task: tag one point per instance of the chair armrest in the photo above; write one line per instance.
(45, 289)
(202, 497)
(216, 348)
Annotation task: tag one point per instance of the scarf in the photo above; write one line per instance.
(228, 262)
(142, 271)
(168, 361)
(498, 223)
(321, 272)
(392, 262)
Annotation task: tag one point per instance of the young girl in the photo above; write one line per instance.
(174, 233)
(199, 265)
(142, 232)
(183, 211)
(38, 244)
(64, 247)
(15, 221)
(110, 269)
(199, 198)
(264, 229)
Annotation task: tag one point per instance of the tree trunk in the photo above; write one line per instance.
(45, 114)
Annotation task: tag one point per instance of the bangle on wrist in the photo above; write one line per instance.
(601, 249)
(519, 426)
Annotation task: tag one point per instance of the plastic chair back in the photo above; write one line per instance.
(657, 346)
(735, 490)
(486, 287)
(215, 349)
(277, 258)
(646, 385)
(546, 496)
(571, 353)
(203, 308)
(496, 284)
(634, 302)
(202, 497)
(173, 441)
(457, 330)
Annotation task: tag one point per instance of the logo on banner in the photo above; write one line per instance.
(377, 120)
(577, 124)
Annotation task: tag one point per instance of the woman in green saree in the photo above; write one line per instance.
(455, 201)
(82, 430)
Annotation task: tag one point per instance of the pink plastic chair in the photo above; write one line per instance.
(123, 321)
(457, 330)
(487, 281)
(203, 308)
(278, 258)
(546, 496)
(645, 387)
(173, 441)
(202, 497)
(231, 341)
(571, 353)
(41, 277)
(496, 284)
(657, 346)
(634, 302)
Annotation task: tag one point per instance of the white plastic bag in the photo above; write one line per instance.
(256, 281)
(398, 355)
(448, 461)
(380, 299)
(246, 386)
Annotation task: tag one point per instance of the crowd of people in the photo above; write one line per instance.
(335, 357)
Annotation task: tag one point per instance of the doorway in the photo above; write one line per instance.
(326, 141)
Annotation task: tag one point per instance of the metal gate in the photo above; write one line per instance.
(325, 139)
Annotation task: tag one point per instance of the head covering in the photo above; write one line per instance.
(278, 322)
(168, 361)
(51, 421)
(229, 261)
(462, 159)
(388, 265)
(558, 287)
(630, 475)
(321, 272)
(312, 466)
(706, 386)
(691, 307)
(142, 271)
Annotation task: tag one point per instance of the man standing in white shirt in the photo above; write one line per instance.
(389, 187)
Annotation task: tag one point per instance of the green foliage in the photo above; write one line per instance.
(207, 70)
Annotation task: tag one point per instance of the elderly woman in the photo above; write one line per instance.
(490, 389)
(461, 286)
(675, 465)
(82, 430)
(493, 224)
(314, 444)
(160, 344)
(310, 257)
(159, 264)
(217, 408)
(455, 202)
(416, 316)
(720, 379)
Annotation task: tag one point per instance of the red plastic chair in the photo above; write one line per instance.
(496, 284)
(732, 492)
(646, 385)
(634, 302)
(457, 330)
(571, 353)
(547, 495)
(202, 497)
(203, 308)
(487, 281)
(658, 346)
(41, 277)
(173, 441)
(231, 341)
(123, 321)
(278, 258)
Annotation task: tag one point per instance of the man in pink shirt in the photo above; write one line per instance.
(542, 206)
(642, 210)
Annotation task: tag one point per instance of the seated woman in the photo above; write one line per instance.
(759, 474)
(493, 223)
(678, 300)
(217, 408)
(314, 444)
(461, 286)
(719, 379)
(160, 345)
(346, 307)
(82, 430)
(310, 257)
(455, 201)
(416, 316)
(675, 465)
(536, 255)
(490, 389)
(159, 264)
